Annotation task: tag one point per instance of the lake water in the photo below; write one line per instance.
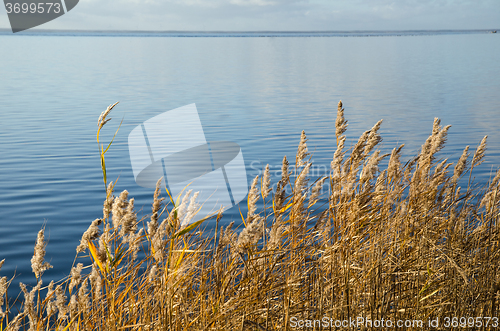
(259, 92)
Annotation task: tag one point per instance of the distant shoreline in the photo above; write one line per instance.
(353, 33)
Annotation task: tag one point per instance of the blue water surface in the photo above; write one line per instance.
(259, 91)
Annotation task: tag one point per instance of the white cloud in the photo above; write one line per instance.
(252, 2)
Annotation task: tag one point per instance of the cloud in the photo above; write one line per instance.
(252, 2)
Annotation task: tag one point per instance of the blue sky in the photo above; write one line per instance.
(285, 15)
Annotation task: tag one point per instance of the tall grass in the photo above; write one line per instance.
(403, 243)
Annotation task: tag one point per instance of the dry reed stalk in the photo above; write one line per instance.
(402, 243)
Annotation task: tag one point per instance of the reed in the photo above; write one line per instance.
(406, 243)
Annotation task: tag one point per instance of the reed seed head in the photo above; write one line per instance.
(29, 304)
(191, 210)
(95, 282)
(394, 166)
(495, 181)
(73, 306)
(119, 209)
(440, 140)
(338, 156)
(436, 126)
(302, 152)
(152, 273)
(129, 220)
(253, 196)
(371, 167)
(15, 324)
(275, 235)
(102, 118)
(83, 297)
(182, 208)
(373, 138)
(461, 165)
(301, 181)
(153, 224)
(477, 159)
(3, 290)
(134, 242)
(51, 307)
(251, 234)
(340, 123)
(38, 265)
(266, 183)
(228, 237)
(108, 202)
(61, 303)
(90, 234)
(316, 190)
(285, 175)
(76, 276)
(357, 153)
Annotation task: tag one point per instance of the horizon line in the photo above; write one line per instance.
(252, 31)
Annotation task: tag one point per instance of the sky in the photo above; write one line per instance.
(276, 15)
